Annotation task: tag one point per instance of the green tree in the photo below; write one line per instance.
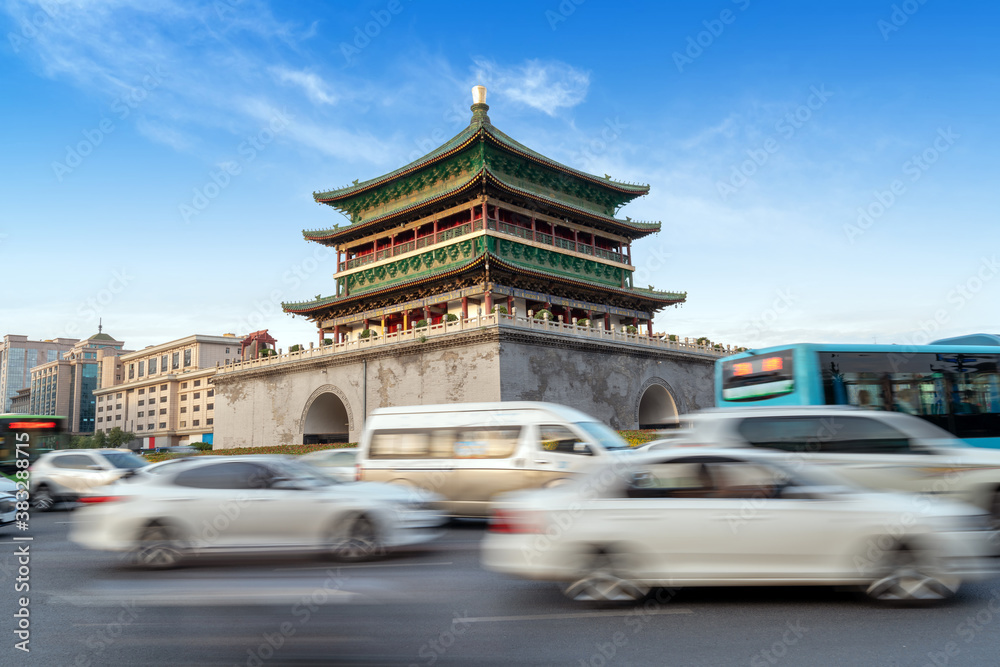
(119, 438)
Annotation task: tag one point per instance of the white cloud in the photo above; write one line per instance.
(546, 86)
(314, 87)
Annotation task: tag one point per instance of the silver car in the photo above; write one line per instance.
(253, 504)
(65, 475)
(871, 448)
(339, 463)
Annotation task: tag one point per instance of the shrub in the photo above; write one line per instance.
(450, 317)
(631, 329)
(420, 324)
(672, 338)
(367, 333)
(583, 323)
(327, 341)
(202, 446)
(295, 348)
(499, 309)
(543, 314)
(702, 341)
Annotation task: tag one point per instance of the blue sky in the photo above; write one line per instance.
(823, 171)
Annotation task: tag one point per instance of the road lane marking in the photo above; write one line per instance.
(340, 566)
(578, 614)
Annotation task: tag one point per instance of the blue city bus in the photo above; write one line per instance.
(953, 385)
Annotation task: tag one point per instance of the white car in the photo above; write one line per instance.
(872, 448)
(724, 518)
(248, 504)
(7, 508)
(66, 474)
(339, 463)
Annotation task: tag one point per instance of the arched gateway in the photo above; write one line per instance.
(657, 408)
(327, 417)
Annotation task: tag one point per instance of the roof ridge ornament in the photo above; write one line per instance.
(479, 106)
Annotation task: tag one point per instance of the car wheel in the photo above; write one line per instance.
(601, 583)
(42, 499)
(158, 548)
(358, 542)
(912, 576)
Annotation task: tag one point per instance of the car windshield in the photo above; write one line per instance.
(607, 438)
(304, 474)
(124, 460)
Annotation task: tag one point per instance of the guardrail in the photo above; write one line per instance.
(472, 323)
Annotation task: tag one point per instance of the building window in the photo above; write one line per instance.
(183, 410)
(100, 419)
(141, 413)
(197, 383)
(197, 394)
(100, 399)
(163, 399)
(131, 371)
(195, 422)
(150, 426)
(152, 389)
(163, 411)
(197, 408)
(211, 393)
(163, 387)
(175, 360)
(142, 402)
(118, 395)
(163, 364)
(210, 406)
(118, 406)
(187, 358)
(139, 427)
(152, 365)
(118, 418)
(142, 391)
(183, 424)
(227, 350)
(209, 421)
(184, 397)
(142, 367)
(184, 385)
(163, 424)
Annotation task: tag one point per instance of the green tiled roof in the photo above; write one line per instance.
(627, 224)
(479, 126)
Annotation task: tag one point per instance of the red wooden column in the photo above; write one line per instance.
(465, 307)
(533, 237)
(510, 305)
(649, 328)
(607, 321)
(336, 333)
(321, 337)
(489, 303)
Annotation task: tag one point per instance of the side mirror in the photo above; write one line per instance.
(583, 448)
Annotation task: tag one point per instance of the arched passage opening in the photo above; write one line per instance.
(326, 421)
(657, 408)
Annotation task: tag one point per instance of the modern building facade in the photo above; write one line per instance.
(164, 393)
(21, 404)
(19, 355)
(66, 386)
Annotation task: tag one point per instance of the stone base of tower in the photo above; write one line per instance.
(324, 398)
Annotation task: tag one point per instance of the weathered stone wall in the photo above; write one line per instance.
(268, 405)
(605, 380)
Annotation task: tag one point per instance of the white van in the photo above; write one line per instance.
(469, 452)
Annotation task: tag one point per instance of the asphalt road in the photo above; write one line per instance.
(436, 606)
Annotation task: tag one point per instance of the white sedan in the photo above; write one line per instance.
(734, 518)
(248, 504)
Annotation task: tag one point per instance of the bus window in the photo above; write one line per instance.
(758, 377)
